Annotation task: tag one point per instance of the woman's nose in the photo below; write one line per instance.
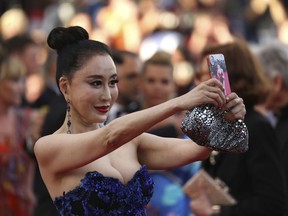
(106, 94)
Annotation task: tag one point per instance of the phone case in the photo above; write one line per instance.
(218, 70)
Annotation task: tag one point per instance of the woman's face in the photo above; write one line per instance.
(11, 91)
(203, 73)
(93, 90)
(157, 84)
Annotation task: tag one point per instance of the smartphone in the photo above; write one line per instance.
(218, 70)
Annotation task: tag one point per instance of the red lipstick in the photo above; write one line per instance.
(102, 109)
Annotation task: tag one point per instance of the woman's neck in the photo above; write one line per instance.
(76, 127)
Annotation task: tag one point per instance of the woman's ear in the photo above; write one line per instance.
(64, 87)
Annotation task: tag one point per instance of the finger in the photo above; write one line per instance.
(215, 83)
(237, 112)
(217, 95)
(235, 107)
(232, 101)
(233, 116)
(212, 92)
(216, 98)
(231, 96)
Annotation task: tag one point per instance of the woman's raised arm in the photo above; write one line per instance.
(63, 152)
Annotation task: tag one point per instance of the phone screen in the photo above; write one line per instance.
(218, 70)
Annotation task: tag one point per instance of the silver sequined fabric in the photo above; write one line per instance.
(207, 127)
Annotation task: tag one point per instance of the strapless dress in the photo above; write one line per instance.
(101, 195)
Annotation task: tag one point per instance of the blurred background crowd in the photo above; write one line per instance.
(180, 27)
(166, 37)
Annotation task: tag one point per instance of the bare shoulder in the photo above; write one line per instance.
(40, 147)
(48, 141)
(41, 142)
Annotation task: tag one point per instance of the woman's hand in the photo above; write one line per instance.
(208, 92)
(235, 107)
(212, 92)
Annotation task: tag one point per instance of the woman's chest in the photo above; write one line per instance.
(120, 164)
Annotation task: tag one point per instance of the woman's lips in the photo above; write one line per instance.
(102, 109)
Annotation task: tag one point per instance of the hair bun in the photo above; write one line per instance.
(61, 37)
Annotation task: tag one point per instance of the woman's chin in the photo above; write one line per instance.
(102, 118)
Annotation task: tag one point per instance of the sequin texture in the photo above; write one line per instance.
(100, 195)
(207, 127)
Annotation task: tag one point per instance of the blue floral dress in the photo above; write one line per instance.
(101, 195)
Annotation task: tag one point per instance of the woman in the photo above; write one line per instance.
(16, 195)
(255, 178)
(157, 86)
(94, 170)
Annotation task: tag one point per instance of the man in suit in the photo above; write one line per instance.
(274, 59)
(128, 65)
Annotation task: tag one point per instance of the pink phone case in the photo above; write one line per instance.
(218, 70)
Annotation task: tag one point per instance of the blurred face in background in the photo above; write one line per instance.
(30, 57)
(11, 82)
(203, 72)
(128, 75)
(278, 97)
(11, 91)
(157, 84)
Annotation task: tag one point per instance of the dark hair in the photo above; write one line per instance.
(18, 43)
(245, 72)
(74, 49)
(161, 58)
(118, 56)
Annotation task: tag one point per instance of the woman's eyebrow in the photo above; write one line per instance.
(96, 76)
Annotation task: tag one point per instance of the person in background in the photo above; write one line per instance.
(25, 48)
(43, 103)
(157, 86)
(91, 169)
(128, 66)
(254, 178)
(16, 167)
(53, 120)
(274, 58)
(52, 103)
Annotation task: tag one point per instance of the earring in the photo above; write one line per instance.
(68, 117)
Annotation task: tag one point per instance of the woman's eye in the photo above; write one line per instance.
(165, 82)
(114, 82)
(150, 81)
(96, 83)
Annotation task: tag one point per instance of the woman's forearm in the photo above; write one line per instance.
(126, 128)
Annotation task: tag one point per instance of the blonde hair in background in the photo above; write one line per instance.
(11, 68)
